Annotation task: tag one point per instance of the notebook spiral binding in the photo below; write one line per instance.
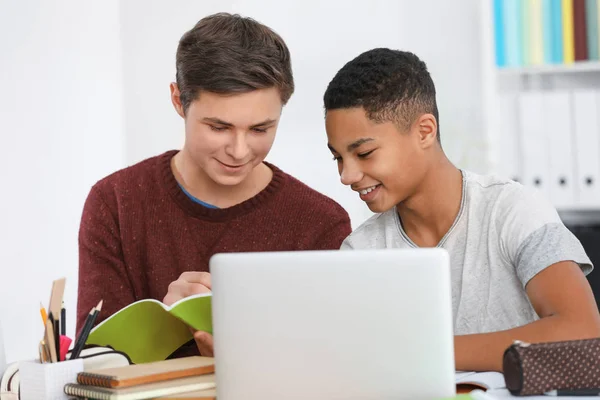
(94, 393)
(86, 378)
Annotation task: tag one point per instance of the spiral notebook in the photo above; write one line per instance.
(140, 374)
(147, 391)
(207, 394)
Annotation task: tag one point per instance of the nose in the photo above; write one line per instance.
(238, 146)
(350, 174)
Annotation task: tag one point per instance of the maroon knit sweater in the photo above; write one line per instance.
(139, 231)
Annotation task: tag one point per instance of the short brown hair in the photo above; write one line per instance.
(226, 53)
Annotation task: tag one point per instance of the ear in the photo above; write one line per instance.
(176, 99)
(426, 125)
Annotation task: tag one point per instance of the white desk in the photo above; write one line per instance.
(505, 394)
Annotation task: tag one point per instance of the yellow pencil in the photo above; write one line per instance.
(43, 314)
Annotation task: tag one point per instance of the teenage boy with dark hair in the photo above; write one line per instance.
(148, 231)
(517, 272)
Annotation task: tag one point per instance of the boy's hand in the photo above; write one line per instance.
(188, 284)
(204, 341)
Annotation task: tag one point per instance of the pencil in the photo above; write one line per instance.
(43, 313)
(78, 344)
(85, 331)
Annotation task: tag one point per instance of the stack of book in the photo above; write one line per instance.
(538, 32)
(183, 378)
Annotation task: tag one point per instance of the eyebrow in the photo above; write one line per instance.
(229, 124)
(354, 145)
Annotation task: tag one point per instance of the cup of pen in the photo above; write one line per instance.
(46, 381)
(46, 377)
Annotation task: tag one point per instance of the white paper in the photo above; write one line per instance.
(490, 380)
(463, 374)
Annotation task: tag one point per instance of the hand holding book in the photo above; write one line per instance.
(189, 284)
(204, 341)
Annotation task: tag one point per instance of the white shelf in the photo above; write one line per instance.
(579, 66)
(579, 208)
(514, 81)
(580, 216)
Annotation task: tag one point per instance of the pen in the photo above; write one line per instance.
(56, 329)
(574, 392)
(63, 320)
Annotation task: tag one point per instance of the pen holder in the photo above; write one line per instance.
(47, 381)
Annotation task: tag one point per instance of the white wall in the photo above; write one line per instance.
(447, 35)
(66, 65)
(322, 37)
(61, 129)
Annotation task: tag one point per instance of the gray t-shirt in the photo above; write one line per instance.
(503, 235)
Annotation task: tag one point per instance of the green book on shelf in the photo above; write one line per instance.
(148, 330)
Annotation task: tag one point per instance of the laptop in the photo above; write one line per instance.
(365, 324)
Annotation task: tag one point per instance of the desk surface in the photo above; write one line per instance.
(505, 394)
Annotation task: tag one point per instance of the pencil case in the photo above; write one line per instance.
(535, 369)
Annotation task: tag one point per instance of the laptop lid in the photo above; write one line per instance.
(333, 324)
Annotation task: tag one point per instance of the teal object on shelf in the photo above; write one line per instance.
(547, 28)
(500, 44)
(513, 32)
(553, 33)
(557, 31)
(591, 20)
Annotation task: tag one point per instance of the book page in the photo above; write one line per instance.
(195, 311)
(145, 331)
(462, 374)
(488, 380)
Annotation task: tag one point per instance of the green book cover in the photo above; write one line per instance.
(148, 330)
(465, 396)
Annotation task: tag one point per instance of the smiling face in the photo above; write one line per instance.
(227, 136)
(383, 165)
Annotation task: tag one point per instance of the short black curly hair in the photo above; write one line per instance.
(391, 85)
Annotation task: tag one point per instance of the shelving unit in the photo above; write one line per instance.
(498, 83)
(555, 69)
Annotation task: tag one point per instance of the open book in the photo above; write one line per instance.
(148, 330)
(480, 380)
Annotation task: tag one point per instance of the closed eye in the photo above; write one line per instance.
(366, 154)
(337, 158)
(259, 130)
(218, 128)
